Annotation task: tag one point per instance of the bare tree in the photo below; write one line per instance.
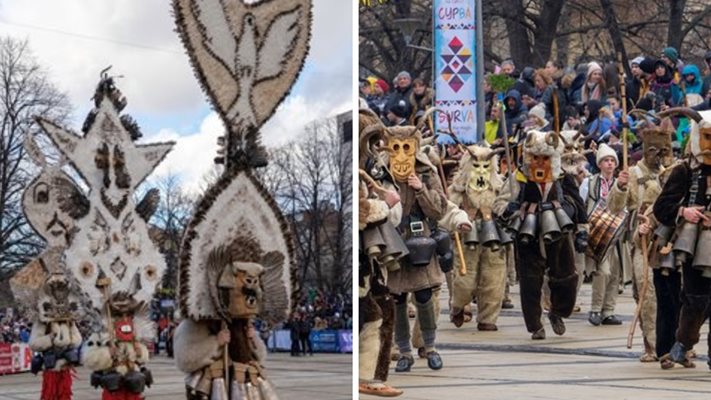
(310, 179)
(25, 92)
(169, 221)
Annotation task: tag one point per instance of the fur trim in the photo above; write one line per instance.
(605, 151)
(369, 348)
(535, 143)
(96, 354)
(195, 347)
(379, 211)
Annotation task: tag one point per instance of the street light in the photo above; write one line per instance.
(408, 26)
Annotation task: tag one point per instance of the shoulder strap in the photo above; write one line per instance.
(694, 189)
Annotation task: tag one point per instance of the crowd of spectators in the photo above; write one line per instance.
(15, 329)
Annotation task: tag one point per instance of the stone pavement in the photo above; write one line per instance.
(588, 362)
(323, 376)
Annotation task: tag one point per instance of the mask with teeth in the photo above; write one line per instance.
(240, 289)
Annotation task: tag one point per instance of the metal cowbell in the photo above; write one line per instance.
(489, 235)
(395, 248)
(549, 227)
(527, 233)
(685, 243)
(702, 257)
(504, 236)
(471, 238)
(663, 233)
(564, 222)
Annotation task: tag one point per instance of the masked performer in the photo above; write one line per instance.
(657, 156)
(548, 208)
(423, 203)
(684, 204)
(44, 288)
(474, 190)
(380, 249)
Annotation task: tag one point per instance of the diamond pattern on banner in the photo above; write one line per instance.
(447, 58)
(456, 83)
(455, 44)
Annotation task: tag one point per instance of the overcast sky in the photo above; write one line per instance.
(75, 39)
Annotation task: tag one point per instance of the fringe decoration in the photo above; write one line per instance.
(57, 385)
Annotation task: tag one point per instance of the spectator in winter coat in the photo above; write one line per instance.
(635, 86)
(525, 85)
(691, 78)
(594, 87)
(516, 113)
(402, 91)
(665, 90)
(421, 99)
(378, 99)
(508, 68)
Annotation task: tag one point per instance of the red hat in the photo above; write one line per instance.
(383, 85)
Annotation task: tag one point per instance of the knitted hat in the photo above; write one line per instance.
(647, 65)
(403, 74)
(637, 60)
(538, 111)
(671, 53)
(592, 67)
(383, 85)
(605, 151)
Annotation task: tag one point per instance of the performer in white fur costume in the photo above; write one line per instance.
(110, 256)
(236, 259)
(46, 292)
(474, 190)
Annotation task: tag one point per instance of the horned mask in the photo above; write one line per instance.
(479, 164)
(700, 135)
(541, 162)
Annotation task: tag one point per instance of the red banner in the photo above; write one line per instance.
(14, 358)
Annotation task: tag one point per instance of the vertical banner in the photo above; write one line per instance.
(455, 67)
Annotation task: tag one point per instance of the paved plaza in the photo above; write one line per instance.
(588, 362)
(323, 376)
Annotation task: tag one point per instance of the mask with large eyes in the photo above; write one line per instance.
(240, 289)
(402, 157)
(56, 302)
(540, 168)
(480, 175)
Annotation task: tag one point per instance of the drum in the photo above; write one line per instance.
(605, 230)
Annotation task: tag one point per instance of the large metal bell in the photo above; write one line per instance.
(471, 238)
(373, 241)
(667, 261)
(504, 236)
(685, 243)
(663, 233)
(527, 233)
(564, 222)
(549, 227)
(395, 248)
(702, 257)
(444, 241)
(489, 235)
(514, 224)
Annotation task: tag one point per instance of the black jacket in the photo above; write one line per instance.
(675, 193)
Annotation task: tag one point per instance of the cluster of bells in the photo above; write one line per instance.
(210, 385)
(552, 223)
(687, 246)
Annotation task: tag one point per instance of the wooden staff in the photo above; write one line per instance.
(623, 96)
(556, 111)
(443, 178)
(645, 284)
(509, 166)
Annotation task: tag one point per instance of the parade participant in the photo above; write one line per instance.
(237, 259)
(610, 193)
(684, 204)
(474, 190)
(545, 197)
(378, 211)
(423, 202)
(574, 164)
(657, 155)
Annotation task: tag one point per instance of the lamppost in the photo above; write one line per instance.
(408, 26)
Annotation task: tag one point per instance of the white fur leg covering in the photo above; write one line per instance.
(369, 349)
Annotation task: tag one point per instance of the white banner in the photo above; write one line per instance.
(455, 67)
